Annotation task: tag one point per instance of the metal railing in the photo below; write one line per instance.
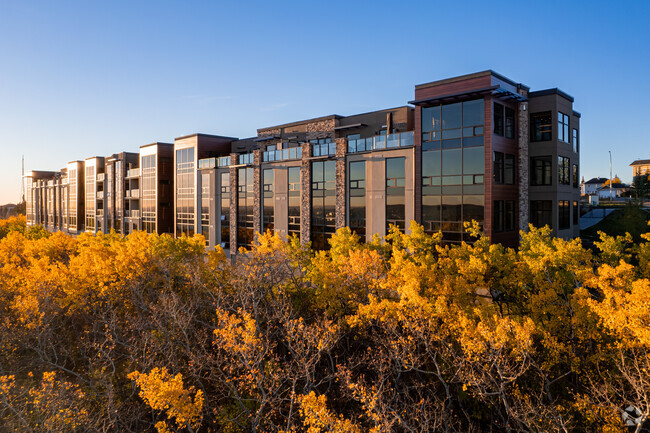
(378, 142)
(221, 161)
(282, 154)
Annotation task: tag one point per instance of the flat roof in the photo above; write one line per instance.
(300, 122)
(485, 73)
(156, 144)
(199, 134)
(554, 91)
(641, 162)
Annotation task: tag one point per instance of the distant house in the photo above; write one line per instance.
(616, 191)
(7, 210)
(592, 185)
(640, 166)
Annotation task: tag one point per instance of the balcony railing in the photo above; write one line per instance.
(323, 149)
(132, 213)
(133, 172)
(101, 177)
(221, 161)
(282, 154)
(246, 158)
(377, 142)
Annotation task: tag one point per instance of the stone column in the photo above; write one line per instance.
(257, 192)
(341, 177)
(305, 194)
(523, 141)
(234, 198)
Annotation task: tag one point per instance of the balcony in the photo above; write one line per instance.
(245, 158)
(101, 177)
(380, 142)
(132, 213)
(323, 149)
(222, 161)
(133, 173)
(282, 154)
(132, 193)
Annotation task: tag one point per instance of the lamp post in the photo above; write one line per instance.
(610, 175)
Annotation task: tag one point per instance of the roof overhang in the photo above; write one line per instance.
(496, 91)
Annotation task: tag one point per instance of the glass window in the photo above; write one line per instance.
(564, 218)
(509, 169)
(245, 205)
(562, 127)
(323, 218)
(504, 215)
(575, 141)
(541, 126)
(563, 170)
(540, 170)
(451, 162)
(541, 213)
(268, 205)
(431, 119)
(225, 210)
(574, 175)
(357, 197)
(473, 160)
(473, 113)
(294, 201)
(497, 159)
(395, 193)
(510, 123)
(498, 119)
(452, 116)
(576, 213)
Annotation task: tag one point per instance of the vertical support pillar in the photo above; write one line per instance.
(305, 194)
(341, 178)
(257, 192)
(522, 169)
(234, 199)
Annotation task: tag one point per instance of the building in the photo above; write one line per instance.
(476, 147)
(640, 167)
(592, 186)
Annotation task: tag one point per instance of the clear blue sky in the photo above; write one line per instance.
(80, 78)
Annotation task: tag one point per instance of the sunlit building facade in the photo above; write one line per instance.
(478, 147)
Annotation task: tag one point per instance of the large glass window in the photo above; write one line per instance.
(453, 125)
(576, 213)
(540, 170)
(119, 196)
(205, 206)
(453, 167)
(323, 199)
(357, 197)
(395, 185)
(90, 198)
(148, 201)
(541, 213)
(185, 192)
(225, 210)
(563, 170)
(574, 175)
(562, 127)
(268, 205)
(541, 126)
(294, 201)
(564, 217)
(245, 216)
(72, 199)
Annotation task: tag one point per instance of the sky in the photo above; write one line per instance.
(80, 79)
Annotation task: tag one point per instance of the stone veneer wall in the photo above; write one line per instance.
(305, 194)
(321, 129)
(257, 191)
(234, 198)
(341, 149)
(523, 164)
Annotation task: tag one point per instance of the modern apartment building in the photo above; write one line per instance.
(476, 147)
